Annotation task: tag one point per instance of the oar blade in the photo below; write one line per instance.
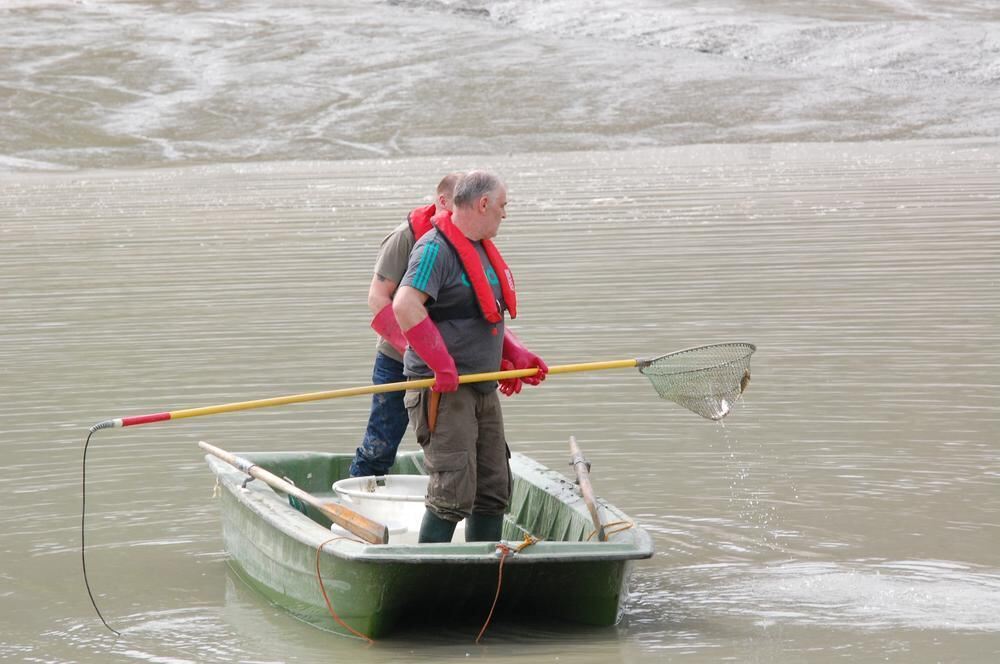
(370, 531)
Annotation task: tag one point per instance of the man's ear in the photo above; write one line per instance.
(484, 202)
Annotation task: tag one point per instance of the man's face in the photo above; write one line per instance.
(495, 211)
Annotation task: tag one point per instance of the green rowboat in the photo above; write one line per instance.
(373, 588)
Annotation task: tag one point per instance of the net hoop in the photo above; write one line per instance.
(745, 350)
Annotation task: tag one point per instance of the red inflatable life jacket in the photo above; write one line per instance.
(420, 220)
(474, 269)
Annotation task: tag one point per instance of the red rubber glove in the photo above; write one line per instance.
(387, 327)
(522, 358)
(509, 386)
(426, 340)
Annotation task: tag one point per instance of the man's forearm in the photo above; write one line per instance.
(408, 305)
(380, 293)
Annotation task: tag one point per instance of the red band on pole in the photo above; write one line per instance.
(144, 419)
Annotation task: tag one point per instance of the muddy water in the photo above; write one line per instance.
(151, 82)
(847, 509)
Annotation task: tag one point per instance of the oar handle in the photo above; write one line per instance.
(351, 392)
(358, 524)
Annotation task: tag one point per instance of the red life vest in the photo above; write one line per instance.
(420, 220)
(474, 269)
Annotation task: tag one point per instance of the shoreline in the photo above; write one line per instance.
(698, 153)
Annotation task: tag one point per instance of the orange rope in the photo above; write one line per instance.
(329, 606)
(623, 526)
(504, 551)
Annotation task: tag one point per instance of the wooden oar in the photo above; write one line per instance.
(358, 524)
(583, 477)
(351, 392)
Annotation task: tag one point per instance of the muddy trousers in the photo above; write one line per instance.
(467, 456)
(386, 422)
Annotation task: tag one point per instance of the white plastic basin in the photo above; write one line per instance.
(389, 498)
(395, 500)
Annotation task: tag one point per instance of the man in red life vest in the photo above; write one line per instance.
(388, 419)
(450, 305)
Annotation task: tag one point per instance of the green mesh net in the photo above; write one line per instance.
(707, 380)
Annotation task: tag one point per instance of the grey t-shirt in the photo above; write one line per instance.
(393, 256)
(475, 344)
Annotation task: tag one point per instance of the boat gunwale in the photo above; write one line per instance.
(267, 504)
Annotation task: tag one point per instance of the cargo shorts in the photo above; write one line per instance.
(467, 456)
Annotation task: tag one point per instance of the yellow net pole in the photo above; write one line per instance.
(351, 392)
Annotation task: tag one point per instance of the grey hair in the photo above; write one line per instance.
(473, 186)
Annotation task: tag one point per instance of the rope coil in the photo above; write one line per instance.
(621, 526)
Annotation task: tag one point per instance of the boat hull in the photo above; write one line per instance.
(375, 588)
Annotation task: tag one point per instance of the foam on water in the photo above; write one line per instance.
(869, 595)
(862, 37)
(114, 84)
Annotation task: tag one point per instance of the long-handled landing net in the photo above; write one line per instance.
(707, 380)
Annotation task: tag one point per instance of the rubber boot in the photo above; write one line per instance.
(434, 529)
(484, 528)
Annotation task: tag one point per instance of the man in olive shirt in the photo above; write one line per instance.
(388, 419)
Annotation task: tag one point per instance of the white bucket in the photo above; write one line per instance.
(395, 500)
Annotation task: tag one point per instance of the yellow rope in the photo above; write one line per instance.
(624, 525)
